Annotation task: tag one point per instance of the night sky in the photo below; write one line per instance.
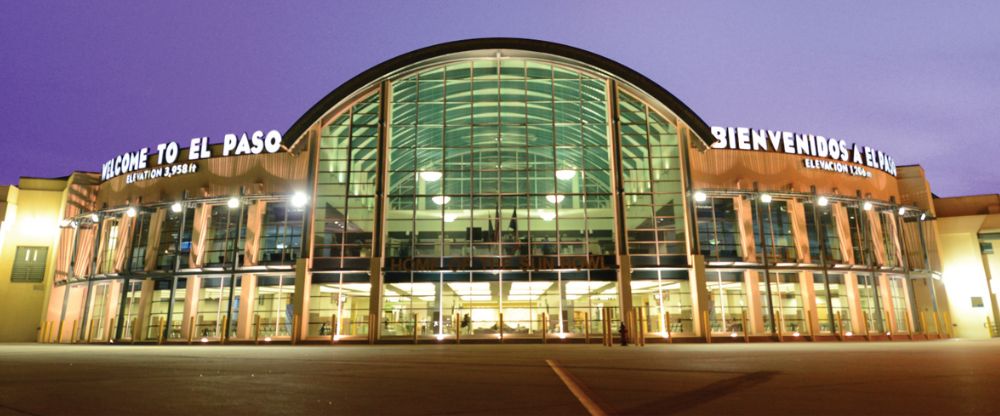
(81, 82)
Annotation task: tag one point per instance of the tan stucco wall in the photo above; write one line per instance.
(964, 275)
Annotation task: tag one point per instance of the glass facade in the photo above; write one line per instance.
(493, 197)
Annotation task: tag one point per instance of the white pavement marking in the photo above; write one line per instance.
(577, 390)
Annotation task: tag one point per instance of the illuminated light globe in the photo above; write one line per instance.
(561, 335)
(430, 176)
(267, 339)
(450, 217)
(823, 201)
(204, 340)
(902, 210)
(233, 202)
(130, 212)
(867, 206)
(700, 196)
(849, 333)
(766, 198)
(734, 334)
(796, 334)
(923, 217)
(175, 207)
(95, 217)
(441, 200)
(555, 199)
(565, 174)
(547, 216)
(439, 337)
(664, 334)
(299, 199)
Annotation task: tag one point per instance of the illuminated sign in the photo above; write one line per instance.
(135, 163)
(829, 152)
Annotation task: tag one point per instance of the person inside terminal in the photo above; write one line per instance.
(495, 190)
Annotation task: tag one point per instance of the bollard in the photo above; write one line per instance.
(225, 334)
(642, 328)
(840, 327)
(458, 328)
(746, 329)
(132, 331)
(90, 331)
(43, 336)
(812, 330)
(191, 331)
(111, 328)
(604, 327)
(586, 327)
(73, 333)
(989, 326)
(414, 329)
(937, 323)
(706, 328)
(256, 329)
(333, 328)
(545, 329)
(923, 324)
(159, 330)
(864, 322)
(670, 338)
(888, 325)
(781, 328)
(501, 328)
(947, 324)
(909, 326)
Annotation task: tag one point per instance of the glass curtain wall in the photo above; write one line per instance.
(345, 189)
(775, 222)
(837, 298)
(888, 226)
(786, 296)
(900, 312)
(822, 233)
(170, 232)
(99, 314)
(156, 320)
(222, 239)
(499, 164)
(727, 301)
(338, 304)
(281, 234)
(130, 323)
(651, 173)
(140, 239)
(273, 312)
(718, 230)
(869, 302)
(213, 301)
(665, 297)
(106, 263)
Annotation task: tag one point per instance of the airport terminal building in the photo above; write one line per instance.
(498, 190)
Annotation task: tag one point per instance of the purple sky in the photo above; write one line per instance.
(81, 82)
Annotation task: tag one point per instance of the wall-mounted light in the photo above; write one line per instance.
(299, 199)
(176, 207)
(430, 176)
(923, 216)
(700, 196)
(233, 202)
(766, 198)
(130, 212)
(94, 217)
(867, 206)
(823, 201)
(902, 210)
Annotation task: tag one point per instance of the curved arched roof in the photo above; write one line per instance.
(697, 125)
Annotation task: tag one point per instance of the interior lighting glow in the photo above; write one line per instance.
(430, 176)
(565, 174)
(823, 201)
(204, 340)
(734, 334)
(555, 199)
(299, 199)
(439, 337)
(130, 212)
(849, 333)
(796, 334)
(664, 334)
(561, 335)
(450, 217)
(867, 206)
(267, 339)
(441, 200)
(765, 198)
(547, 216)
(700, 196)
(175, 207)
(233, 202)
